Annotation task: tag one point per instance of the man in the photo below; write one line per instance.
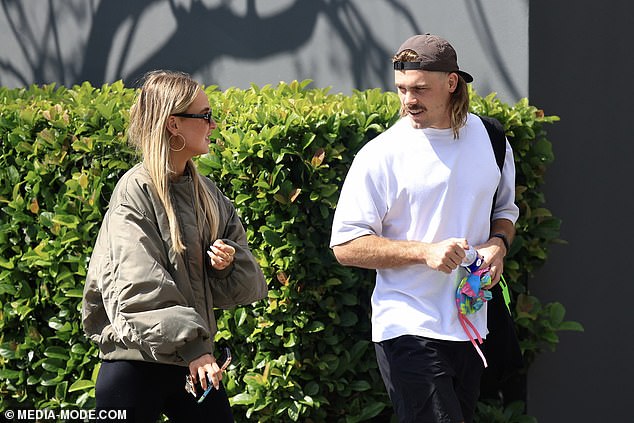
(415, 198)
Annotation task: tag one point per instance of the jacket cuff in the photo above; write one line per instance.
(194, 349)
(221, 274)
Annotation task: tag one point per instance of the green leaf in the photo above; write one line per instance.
(349, 318)
(315, 327)
(9, 374)
(294, 411)
(311, 388)
(272, 238)
(241, 399)
(57, 352)
(241, 199)
(81, 385)
(371, 410)
(360, 385)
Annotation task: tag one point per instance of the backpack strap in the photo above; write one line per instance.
(498, 143)
(498, 139)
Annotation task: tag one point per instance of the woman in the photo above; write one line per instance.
(170, 249)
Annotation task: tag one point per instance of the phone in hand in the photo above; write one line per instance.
(223, 363)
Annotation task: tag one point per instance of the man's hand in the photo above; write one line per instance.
(445, 256)
(493, 255)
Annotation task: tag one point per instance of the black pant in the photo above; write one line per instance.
(147, 390)
(430, 380)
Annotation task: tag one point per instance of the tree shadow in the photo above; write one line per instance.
(203, 35)
(485, 35)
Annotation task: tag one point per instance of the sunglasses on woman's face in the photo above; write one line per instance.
(207, 116)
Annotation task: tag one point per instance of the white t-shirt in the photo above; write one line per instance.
(422, 184)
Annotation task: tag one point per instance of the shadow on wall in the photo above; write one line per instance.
(485, 35)
(202, 35)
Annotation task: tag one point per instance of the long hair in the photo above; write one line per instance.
(458, 102)
(162, 94)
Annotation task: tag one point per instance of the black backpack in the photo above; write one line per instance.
(501, 347)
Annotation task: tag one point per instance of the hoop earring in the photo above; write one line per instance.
(179, 149)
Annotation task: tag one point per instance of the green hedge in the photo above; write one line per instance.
(281, 154)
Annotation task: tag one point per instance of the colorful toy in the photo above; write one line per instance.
(470, 297)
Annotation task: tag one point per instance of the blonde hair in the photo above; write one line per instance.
(162, 94)
(458, 102)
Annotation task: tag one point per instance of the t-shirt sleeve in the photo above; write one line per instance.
(505, 207)
(362, 203)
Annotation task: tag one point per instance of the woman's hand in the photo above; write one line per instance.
(205, 368)
(221, 254)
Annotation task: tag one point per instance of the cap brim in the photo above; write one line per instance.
(465, 76)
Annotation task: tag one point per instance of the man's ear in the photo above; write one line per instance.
(452, 81)
(172, 125)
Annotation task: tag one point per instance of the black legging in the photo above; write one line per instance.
(147, 390)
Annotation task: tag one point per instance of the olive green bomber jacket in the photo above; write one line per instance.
(143, 301)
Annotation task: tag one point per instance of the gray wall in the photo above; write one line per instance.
(581, 62)
(343, 44)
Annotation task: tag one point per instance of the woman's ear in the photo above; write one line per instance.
(172, 125)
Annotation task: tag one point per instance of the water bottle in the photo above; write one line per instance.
(472, 260)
